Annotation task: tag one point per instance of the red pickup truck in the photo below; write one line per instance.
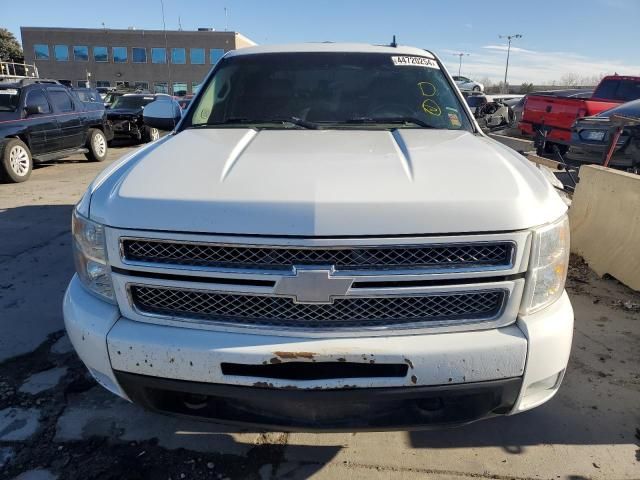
(555, 114)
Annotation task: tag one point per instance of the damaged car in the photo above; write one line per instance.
(125, 114)
(591, 138)
(491, 113)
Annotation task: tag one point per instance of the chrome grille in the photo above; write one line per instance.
(346, 312)
(463, 255)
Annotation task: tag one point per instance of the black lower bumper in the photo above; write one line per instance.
(346, 409)
(125, 128)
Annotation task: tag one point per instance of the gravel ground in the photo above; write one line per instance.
(55, 422)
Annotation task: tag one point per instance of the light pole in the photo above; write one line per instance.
(506, 70)
(460, 55)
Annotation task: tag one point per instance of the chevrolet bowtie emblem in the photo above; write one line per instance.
(313, 286)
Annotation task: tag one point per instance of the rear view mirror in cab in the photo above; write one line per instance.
(33, 109)
(162, 114)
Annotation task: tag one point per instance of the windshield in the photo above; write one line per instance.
(9, 99)
(133, 102)
(328, 90)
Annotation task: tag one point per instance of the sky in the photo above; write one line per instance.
(583, 38)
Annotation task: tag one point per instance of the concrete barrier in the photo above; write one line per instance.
(605, 222)
(516, 143)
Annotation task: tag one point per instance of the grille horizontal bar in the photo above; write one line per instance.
(458, 255)
(345, 312)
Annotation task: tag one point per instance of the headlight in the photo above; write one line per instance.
(90, 256)
(548, 266)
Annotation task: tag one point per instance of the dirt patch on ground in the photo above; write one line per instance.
(584, 281)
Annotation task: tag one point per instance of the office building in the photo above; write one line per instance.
(172, 62)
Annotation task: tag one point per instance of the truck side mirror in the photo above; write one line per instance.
(163, 114)
(33, 109)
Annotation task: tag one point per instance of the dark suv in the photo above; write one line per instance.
(43, 120)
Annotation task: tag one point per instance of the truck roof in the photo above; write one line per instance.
(332, 47)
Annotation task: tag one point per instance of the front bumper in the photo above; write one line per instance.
(125, 127)
(450, 377)
(324, 410)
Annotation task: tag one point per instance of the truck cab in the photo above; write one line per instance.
(325, 241)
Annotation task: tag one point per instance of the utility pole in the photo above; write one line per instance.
(460, 55)
(506, 70)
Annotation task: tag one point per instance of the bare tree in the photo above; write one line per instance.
(570, 80)
(592, 80)
(486, 81)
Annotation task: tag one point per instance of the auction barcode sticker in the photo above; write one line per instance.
(406, 61)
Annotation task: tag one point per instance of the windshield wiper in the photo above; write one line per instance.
(390, 120)
(252, 121)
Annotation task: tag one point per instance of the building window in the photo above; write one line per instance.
(197, 56)
(61, 53)
(139, 55)
(178, 55)
(103, 83)
(122, 84)
(119, 54)
(179, 88)
(41, 51)
(161, 87)
(100, 54)
(195, 86)
(215, 54)
(158, 55)
(141, 85)
(81, 84)
(81, 53)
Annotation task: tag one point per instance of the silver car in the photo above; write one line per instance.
(467, 85)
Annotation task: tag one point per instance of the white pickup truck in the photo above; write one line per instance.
(326, 241)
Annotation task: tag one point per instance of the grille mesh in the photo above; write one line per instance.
(344, 312)
(348, 258)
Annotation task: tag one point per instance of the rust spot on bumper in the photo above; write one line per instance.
(292, 355)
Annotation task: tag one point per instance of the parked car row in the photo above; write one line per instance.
(43, 120)
(550, 117)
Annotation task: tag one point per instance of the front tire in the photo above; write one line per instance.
(150, 134)
(97, 145)
(16, 163)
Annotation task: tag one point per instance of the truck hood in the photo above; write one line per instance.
(324, 183)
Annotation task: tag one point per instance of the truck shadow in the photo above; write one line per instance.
(557, 422)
